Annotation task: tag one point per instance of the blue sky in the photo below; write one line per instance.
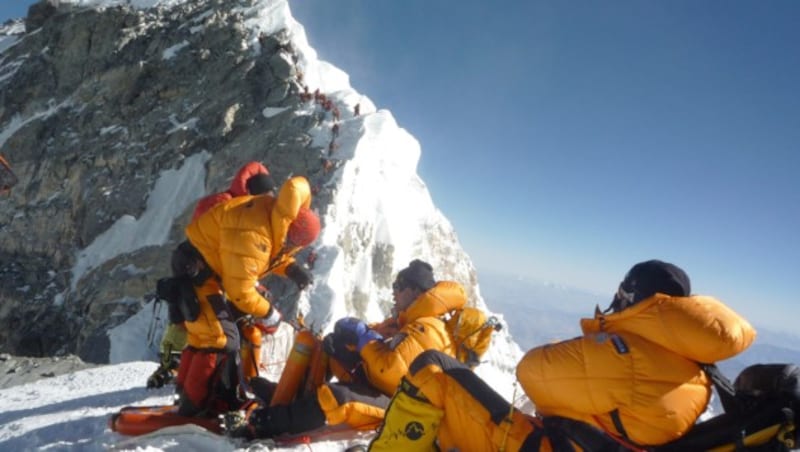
(567, 141)
(570, 140)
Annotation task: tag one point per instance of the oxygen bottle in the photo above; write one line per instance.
(295, 369)
(251, 351)
(317, 371)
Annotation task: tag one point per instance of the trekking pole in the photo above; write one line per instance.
(492, 322)
(151, 330)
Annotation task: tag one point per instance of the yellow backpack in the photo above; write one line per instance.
(471, 331)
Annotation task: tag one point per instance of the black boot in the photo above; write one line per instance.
(263, 389)
(297, 417)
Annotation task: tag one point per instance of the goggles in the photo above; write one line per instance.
(623, 298)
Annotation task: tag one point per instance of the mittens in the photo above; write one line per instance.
(354, 331)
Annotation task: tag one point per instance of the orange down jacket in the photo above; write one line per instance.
(242, 240)
(421, 329)
(639, 365)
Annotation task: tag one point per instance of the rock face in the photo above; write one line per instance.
(19, 370)
(99, 107)
(94, 105)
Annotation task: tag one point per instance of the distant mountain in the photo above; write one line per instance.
(538, 312)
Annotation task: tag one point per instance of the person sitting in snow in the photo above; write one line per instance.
(375, 358)
(231, 247)
(633, 378)
(7, 177)
(253, 178)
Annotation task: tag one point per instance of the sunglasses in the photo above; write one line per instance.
(623, 298)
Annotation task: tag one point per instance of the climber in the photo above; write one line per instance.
(231, 247)
(633, 379)
(7, 177)
(253, 178)
(369, 362)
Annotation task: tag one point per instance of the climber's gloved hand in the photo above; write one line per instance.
(354, 331)
(300, 275)
(269, 323)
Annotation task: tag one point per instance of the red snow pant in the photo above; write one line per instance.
(207, 382)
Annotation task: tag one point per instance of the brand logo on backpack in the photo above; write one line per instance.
(414, 430)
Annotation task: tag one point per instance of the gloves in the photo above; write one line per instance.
(354, 331)
(342, 352)
(300, 275)
(270, 323)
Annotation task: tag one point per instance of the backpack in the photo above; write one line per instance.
(181, 300)
(471, 331)
(760, 412)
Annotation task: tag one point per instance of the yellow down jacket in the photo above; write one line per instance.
(242, 240)
(421, 329)
(639, 366)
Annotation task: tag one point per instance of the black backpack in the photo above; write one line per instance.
(761, 407)
(178, 292)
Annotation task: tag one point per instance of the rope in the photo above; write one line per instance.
(508, 420)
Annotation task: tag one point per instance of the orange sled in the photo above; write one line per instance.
(140, 420)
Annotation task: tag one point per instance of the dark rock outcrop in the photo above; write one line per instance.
(95, 105)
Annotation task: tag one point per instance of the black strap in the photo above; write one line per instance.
(533, 442)
(618, 424)
(725, 389)
(586, 437)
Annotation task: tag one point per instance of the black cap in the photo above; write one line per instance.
(418, 274)
(647, 278)
(259, 184)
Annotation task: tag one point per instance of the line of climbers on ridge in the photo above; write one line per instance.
(638, 378)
